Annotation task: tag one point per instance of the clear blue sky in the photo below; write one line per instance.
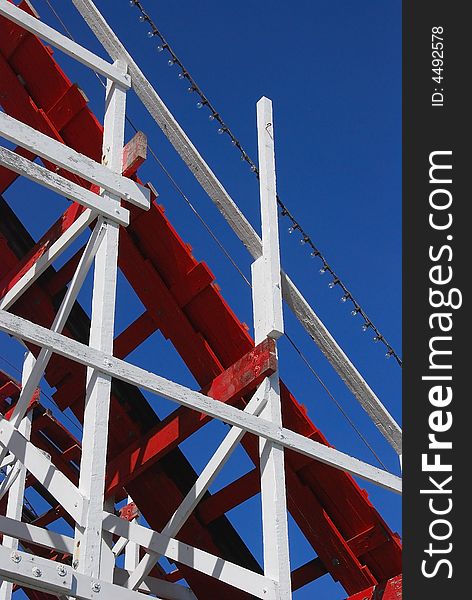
(333, 71)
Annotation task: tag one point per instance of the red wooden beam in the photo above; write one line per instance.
(237, 381)
(232, 495)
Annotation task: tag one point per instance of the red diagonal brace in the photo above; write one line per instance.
(240, 379)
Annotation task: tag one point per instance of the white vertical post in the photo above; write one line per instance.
(268, 322)
(17, 490)
(132, 550)
(89, 544)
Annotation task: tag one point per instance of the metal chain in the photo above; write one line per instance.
(295, 225)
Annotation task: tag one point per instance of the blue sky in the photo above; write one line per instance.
(333, 72)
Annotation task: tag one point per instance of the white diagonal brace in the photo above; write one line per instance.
(200, 560)
(53, 37)
(64, 346)
(201, 485)
(69, 159)
(17, 488)
(268, 322)
(13, 161)
(41, 467)
(31, 383)
(47, 258)
(89, 544)
(241, 226)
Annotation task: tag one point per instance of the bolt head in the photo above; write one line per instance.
(95, 587)
(37, 572)
(15, 557)
(62, 571)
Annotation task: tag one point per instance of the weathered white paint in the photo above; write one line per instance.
(65, 157)
(240, 225)
(62, 186)
(269, 220)
(159, 587)
(88, 539)
(31, 383)
(131, 551)
(31, 534)
(124, 371)
(17, 489)
(53, 37)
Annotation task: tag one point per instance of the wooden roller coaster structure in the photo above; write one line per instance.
(126, 452)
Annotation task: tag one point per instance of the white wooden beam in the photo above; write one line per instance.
(17, 490)
(60, 580)
(65, 157)
(89, 544)
(62, 186)
(64, 346)
(56, 39)
(204, 562)
(241, 226)
(159, 587)
(40, 364)
(132, 551)
(268, 322)
(272, 299)
(199, 488)
(47, 258)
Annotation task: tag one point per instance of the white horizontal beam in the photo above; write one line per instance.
(240, 225)
(69, 47)
(59, 579)
(204, 562)
(62, 186)
(31, 534)
(44, 471)
(47, 258)
(124, 371)
(159, 587)
(63, 156)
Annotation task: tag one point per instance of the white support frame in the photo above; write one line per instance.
(268, 322)
(94, 571)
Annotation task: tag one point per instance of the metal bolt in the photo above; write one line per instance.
(16, 558)
(96, 587)
(37, 572)
(336, 562)
(75, 564)
(62, 571)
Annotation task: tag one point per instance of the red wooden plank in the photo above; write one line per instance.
(241, 378)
